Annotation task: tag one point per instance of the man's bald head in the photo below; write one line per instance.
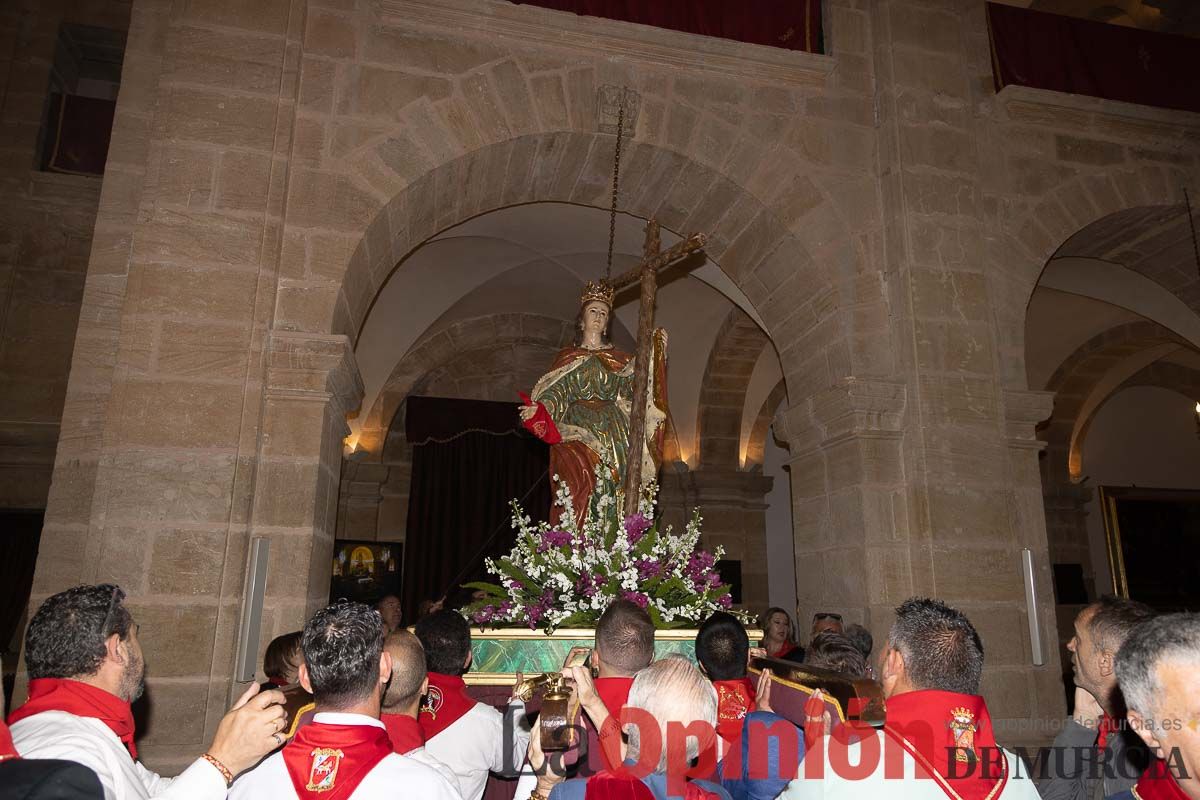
(408, 672)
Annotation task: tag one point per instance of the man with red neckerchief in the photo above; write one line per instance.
(624, 644)
(86, 668)
(722, 648)
(1157, 669)
(937, 742)
(469, 737)
(402, 701)
(345, 751)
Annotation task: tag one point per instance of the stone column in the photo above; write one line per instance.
(848, 501)
(312, 382)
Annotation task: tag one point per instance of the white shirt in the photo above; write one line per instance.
(875, 786)
(394, 776)
(88, 741)
(473, 745)
(422, 755)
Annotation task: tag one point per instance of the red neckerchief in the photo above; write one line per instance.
(949, 735)
(1157, 783)
(7, 750)
(404, 731)
(621, 785)
(1108, 726)
(82, 700)
(735, 699)
(614, 692)
(605, 785)
(329, 761)
(445, 702)
(784, 649)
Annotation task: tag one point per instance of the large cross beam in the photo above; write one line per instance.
(654, 259)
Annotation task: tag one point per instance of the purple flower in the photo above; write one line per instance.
(484, 614)
(636, 597)
(587, 585)
(647, 569)
(636, 526)
(725, 601)
(699, 571)
(553, 539)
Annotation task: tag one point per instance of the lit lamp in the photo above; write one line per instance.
(1198, 420)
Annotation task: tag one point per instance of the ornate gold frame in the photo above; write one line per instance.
(1112, 539)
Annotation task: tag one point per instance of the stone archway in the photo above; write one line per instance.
(1037, 231)
(723, 393)
(1081, 385)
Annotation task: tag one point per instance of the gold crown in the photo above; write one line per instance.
(597, 291)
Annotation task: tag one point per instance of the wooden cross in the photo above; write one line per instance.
(653, 260)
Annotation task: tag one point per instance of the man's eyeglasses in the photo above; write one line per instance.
(112, 606)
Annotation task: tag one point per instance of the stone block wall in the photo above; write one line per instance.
(886, 214)
(46, 222)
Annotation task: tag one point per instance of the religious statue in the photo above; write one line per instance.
(582, 406)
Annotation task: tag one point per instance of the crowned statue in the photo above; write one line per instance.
(582, 406)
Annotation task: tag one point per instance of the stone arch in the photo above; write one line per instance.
(1167, 375)
(1077, 379)
(1080, 390)
(723, 390)
(790, 250)
(1034, 233)
(435, 351)
(757, 443)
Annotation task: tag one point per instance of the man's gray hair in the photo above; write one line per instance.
(672, 690)
(1171, 637)
(1114, 618)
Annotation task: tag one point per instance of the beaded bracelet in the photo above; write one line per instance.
(221, 768)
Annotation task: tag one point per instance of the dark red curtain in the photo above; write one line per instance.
(1079, 56)
(790, 24)
(470, 459)
(78, 130)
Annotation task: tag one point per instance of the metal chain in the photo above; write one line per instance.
(616, 182)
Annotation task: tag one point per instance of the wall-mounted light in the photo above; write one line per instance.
(1198, 420)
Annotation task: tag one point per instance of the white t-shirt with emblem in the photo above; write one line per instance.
(387, 780)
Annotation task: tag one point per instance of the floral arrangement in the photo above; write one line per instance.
(566, 575)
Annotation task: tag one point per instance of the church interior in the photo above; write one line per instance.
(259, 259)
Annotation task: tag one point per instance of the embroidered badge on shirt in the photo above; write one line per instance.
(323, 774)
(730, 704)
(432, 702)
(962, 722)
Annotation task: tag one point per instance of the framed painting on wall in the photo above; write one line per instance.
(365, 571)
(1153, 538)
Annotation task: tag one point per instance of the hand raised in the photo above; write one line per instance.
(762, 700)
(250, 730)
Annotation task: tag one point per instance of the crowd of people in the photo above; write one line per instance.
(392, 717)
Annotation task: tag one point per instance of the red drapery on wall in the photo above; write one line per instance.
(1079, 56)
(790, 24)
